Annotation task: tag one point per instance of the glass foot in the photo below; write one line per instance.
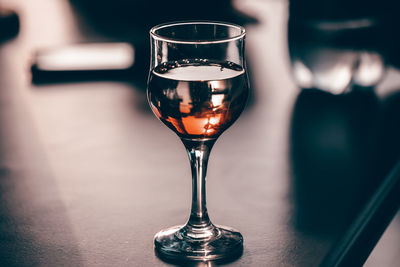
(175, 243)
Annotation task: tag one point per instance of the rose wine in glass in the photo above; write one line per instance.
(198, 87)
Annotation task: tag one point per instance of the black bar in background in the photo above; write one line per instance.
(362, 236)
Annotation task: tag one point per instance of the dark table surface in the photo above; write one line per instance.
(88, 175)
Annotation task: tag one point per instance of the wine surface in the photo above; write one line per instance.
(198, 99)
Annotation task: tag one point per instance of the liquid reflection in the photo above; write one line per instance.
(199, 108)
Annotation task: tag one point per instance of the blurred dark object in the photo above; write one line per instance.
(101, 61)
(9, 24)
(343, 145)
(391, 38)
(356, 245)
(338, 10)
(337, 46)
(335, 159)
(122, 19)
(342, 148)
(389, 132)
(130, 21)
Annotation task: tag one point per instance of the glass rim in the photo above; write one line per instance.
(156, 36)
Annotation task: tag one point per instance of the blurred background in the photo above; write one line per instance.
(88, 175)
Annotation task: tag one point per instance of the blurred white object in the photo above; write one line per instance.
(335, 70)
(91, 56)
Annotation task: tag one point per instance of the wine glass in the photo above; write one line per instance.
(198, 87)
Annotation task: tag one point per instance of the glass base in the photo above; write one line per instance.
(175, 243)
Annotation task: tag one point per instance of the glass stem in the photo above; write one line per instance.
(199, 225)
